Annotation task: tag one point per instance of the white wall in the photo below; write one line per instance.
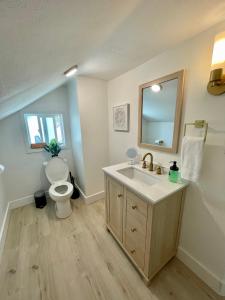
(90, 111)
(202, 243)
(24, 173)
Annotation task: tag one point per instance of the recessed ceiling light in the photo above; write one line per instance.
(71, 71)
(156, 88)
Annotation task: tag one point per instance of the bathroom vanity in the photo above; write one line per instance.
(143, 213)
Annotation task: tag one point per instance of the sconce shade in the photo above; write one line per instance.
(218, 57)
(216, 85)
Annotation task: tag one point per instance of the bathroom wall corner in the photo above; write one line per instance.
(91, 198)
(89, 130)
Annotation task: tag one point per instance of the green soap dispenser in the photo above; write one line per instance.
(173, 173)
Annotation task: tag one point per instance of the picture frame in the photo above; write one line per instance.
(121, 117)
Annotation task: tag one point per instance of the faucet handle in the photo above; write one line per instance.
(159, 170)
(144, 165)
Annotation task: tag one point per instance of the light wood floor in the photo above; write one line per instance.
(76, 258)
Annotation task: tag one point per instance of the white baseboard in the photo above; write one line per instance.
(201, 271)
(21, 202)
(3, 230)
(92, 198)
(95, 197)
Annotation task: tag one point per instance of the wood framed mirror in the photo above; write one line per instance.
(160, 104)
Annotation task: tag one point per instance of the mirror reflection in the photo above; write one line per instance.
(158, 113)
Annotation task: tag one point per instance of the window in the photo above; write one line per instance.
(42, 128)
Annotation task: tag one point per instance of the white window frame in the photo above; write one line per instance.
(44, 116)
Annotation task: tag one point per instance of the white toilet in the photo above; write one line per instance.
(60, 191)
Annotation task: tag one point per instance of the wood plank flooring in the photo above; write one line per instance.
(76, 258)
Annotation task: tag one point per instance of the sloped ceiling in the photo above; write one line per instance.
(39, 39)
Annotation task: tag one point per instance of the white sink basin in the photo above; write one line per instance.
(138, 176)
(146, 184)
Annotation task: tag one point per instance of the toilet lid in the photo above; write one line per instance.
(56, 170)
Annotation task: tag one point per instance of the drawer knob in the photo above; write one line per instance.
(132, 251)
(133, 229)
(134, 206)
(119, 195)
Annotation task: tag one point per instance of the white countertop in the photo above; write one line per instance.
(152, 193)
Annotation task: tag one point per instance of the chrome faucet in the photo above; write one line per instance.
(151, 162)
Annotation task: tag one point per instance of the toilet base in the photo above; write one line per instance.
(63, 209)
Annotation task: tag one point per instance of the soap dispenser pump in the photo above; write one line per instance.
(173, 173)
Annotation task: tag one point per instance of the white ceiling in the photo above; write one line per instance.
(41, 38)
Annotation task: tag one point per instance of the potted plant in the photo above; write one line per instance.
(53, 147)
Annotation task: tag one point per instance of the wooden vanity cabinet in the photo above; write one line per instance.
(116, 203)
(148, 233)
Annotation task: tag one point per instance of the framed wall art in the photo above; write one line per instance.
(121, 117)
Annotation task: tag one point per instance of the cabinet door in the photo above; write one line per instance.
(115, 194)
(135, 228)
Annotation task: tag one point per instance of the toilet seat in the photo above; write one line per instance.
(56, 170)
(60, 195)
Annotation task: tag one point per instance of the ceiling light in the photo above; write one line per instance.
(156, 88)
(71, 71)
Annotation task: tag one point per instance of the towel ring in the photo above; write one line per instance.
(198, 124)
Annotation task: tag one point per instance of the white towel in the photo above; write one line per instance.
(191, 157)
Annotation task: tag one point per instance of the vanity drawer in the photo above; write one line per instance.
(136, 248)
(136, 226)
(135, 205)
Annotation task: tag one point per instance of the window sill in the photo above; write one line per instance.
(38, 146)
(30, 150)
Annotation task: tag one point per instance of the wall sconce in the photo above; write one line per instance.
(216, 85)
